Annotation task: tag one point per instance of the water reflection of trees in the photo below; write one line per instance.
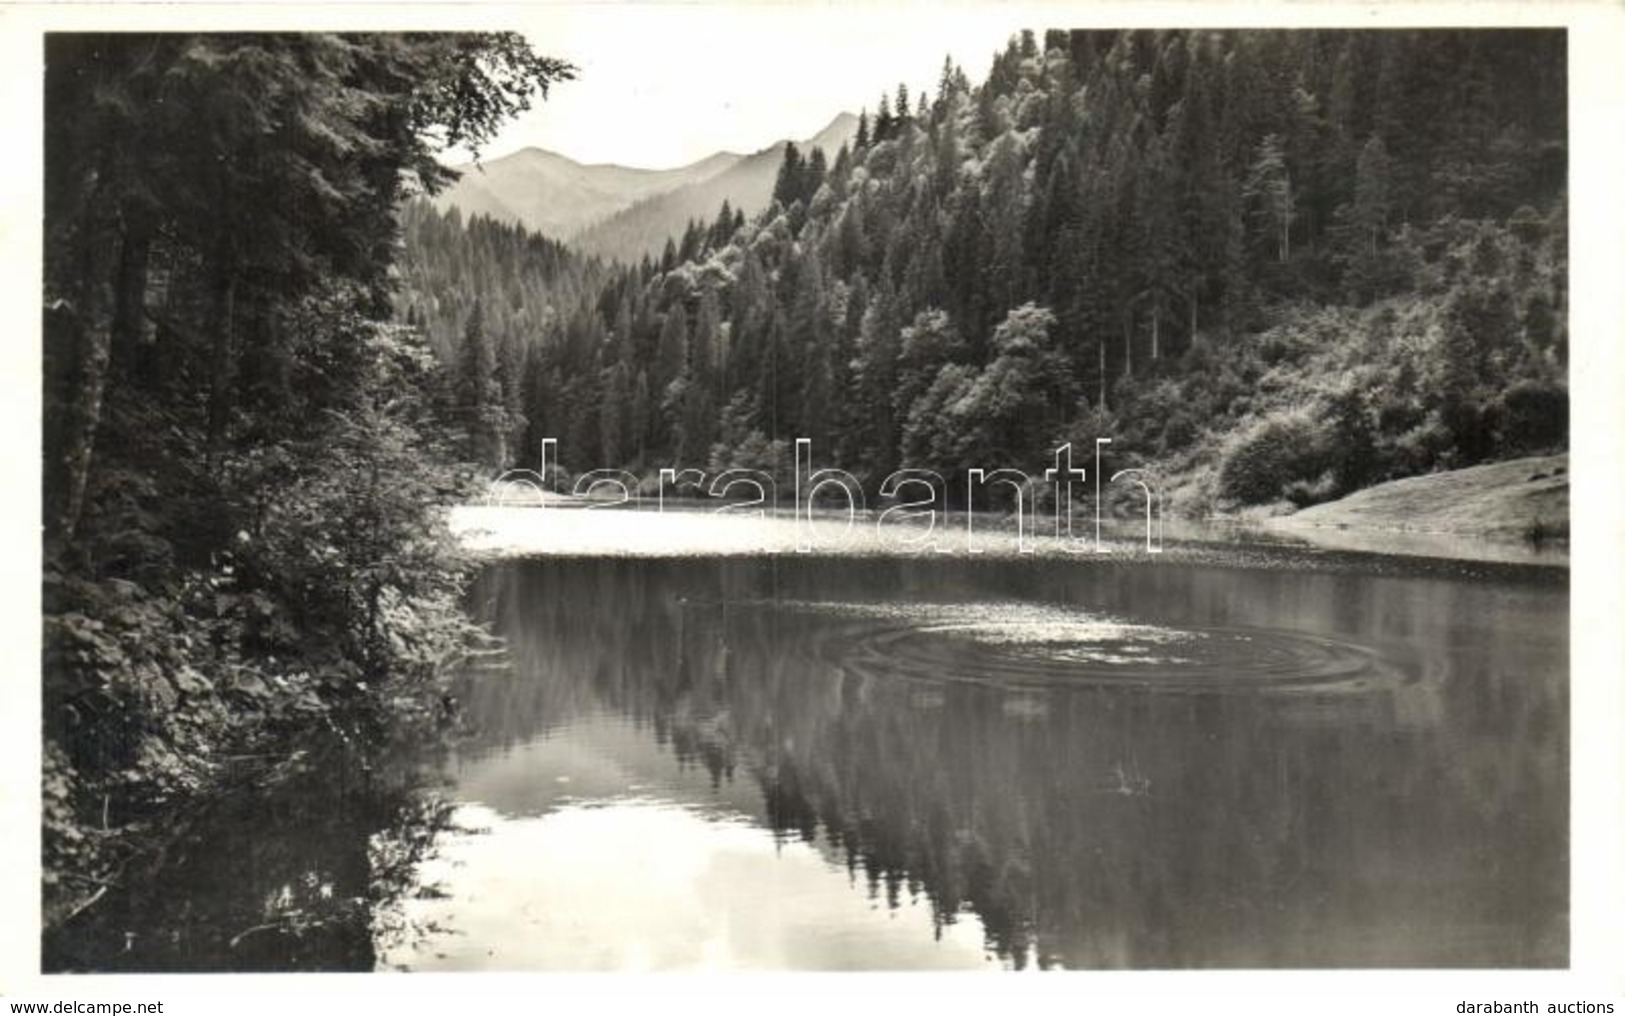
(1086, 828)
(308, 875)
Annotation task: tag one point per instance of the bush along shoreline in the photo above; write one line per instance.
(323, 633)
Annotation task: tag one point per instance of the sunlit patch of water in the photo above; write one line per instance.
(643, 883)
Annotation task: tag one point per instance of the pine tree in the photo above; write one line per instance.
(699, 415)
(614, 415)
(1269, 186)
(883, 120)
(480, 400)
(1360, 234)
(669, 377)
(810, 341)
(787, 187)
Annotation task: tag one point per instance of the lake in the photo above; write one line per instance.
(1219, 756)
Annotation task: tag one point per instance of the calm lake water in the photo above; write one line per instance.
(932, 762)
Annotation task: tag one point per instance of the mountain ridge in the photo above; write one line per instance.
(553, 194)
(621, 211)
(747, 185)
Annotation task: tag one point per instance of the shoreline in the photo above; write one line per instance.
(1512, 512)
(1520, 501)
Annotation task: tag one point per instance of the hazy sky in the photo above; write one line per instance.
(664, 86)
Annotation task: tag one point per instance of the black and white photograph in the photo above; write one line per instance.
(797, 488)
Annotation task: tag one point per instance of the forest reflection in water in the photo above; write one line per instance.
(1387, 788)
(307, 874)
(855, 763)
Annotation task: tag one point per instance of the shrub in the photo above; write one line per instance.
(1261, 461)
(1527, 225)
(1178, 432)
(1421, 449)
(1531, 416)
(1304, 493)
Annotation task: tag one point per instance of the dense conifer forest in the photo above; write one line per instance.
(1276, 266)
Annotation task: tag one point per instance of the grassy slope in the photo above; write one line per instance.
(1502, 500)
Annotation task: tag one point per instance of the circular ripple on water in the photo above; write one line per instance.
(1057, 650)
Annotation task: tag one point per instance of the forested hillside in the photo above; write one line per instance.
(1272, 264)
(245, 572)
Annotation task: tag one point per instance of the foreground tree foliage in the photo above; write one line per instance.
(1197, 230)
(243, 456)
